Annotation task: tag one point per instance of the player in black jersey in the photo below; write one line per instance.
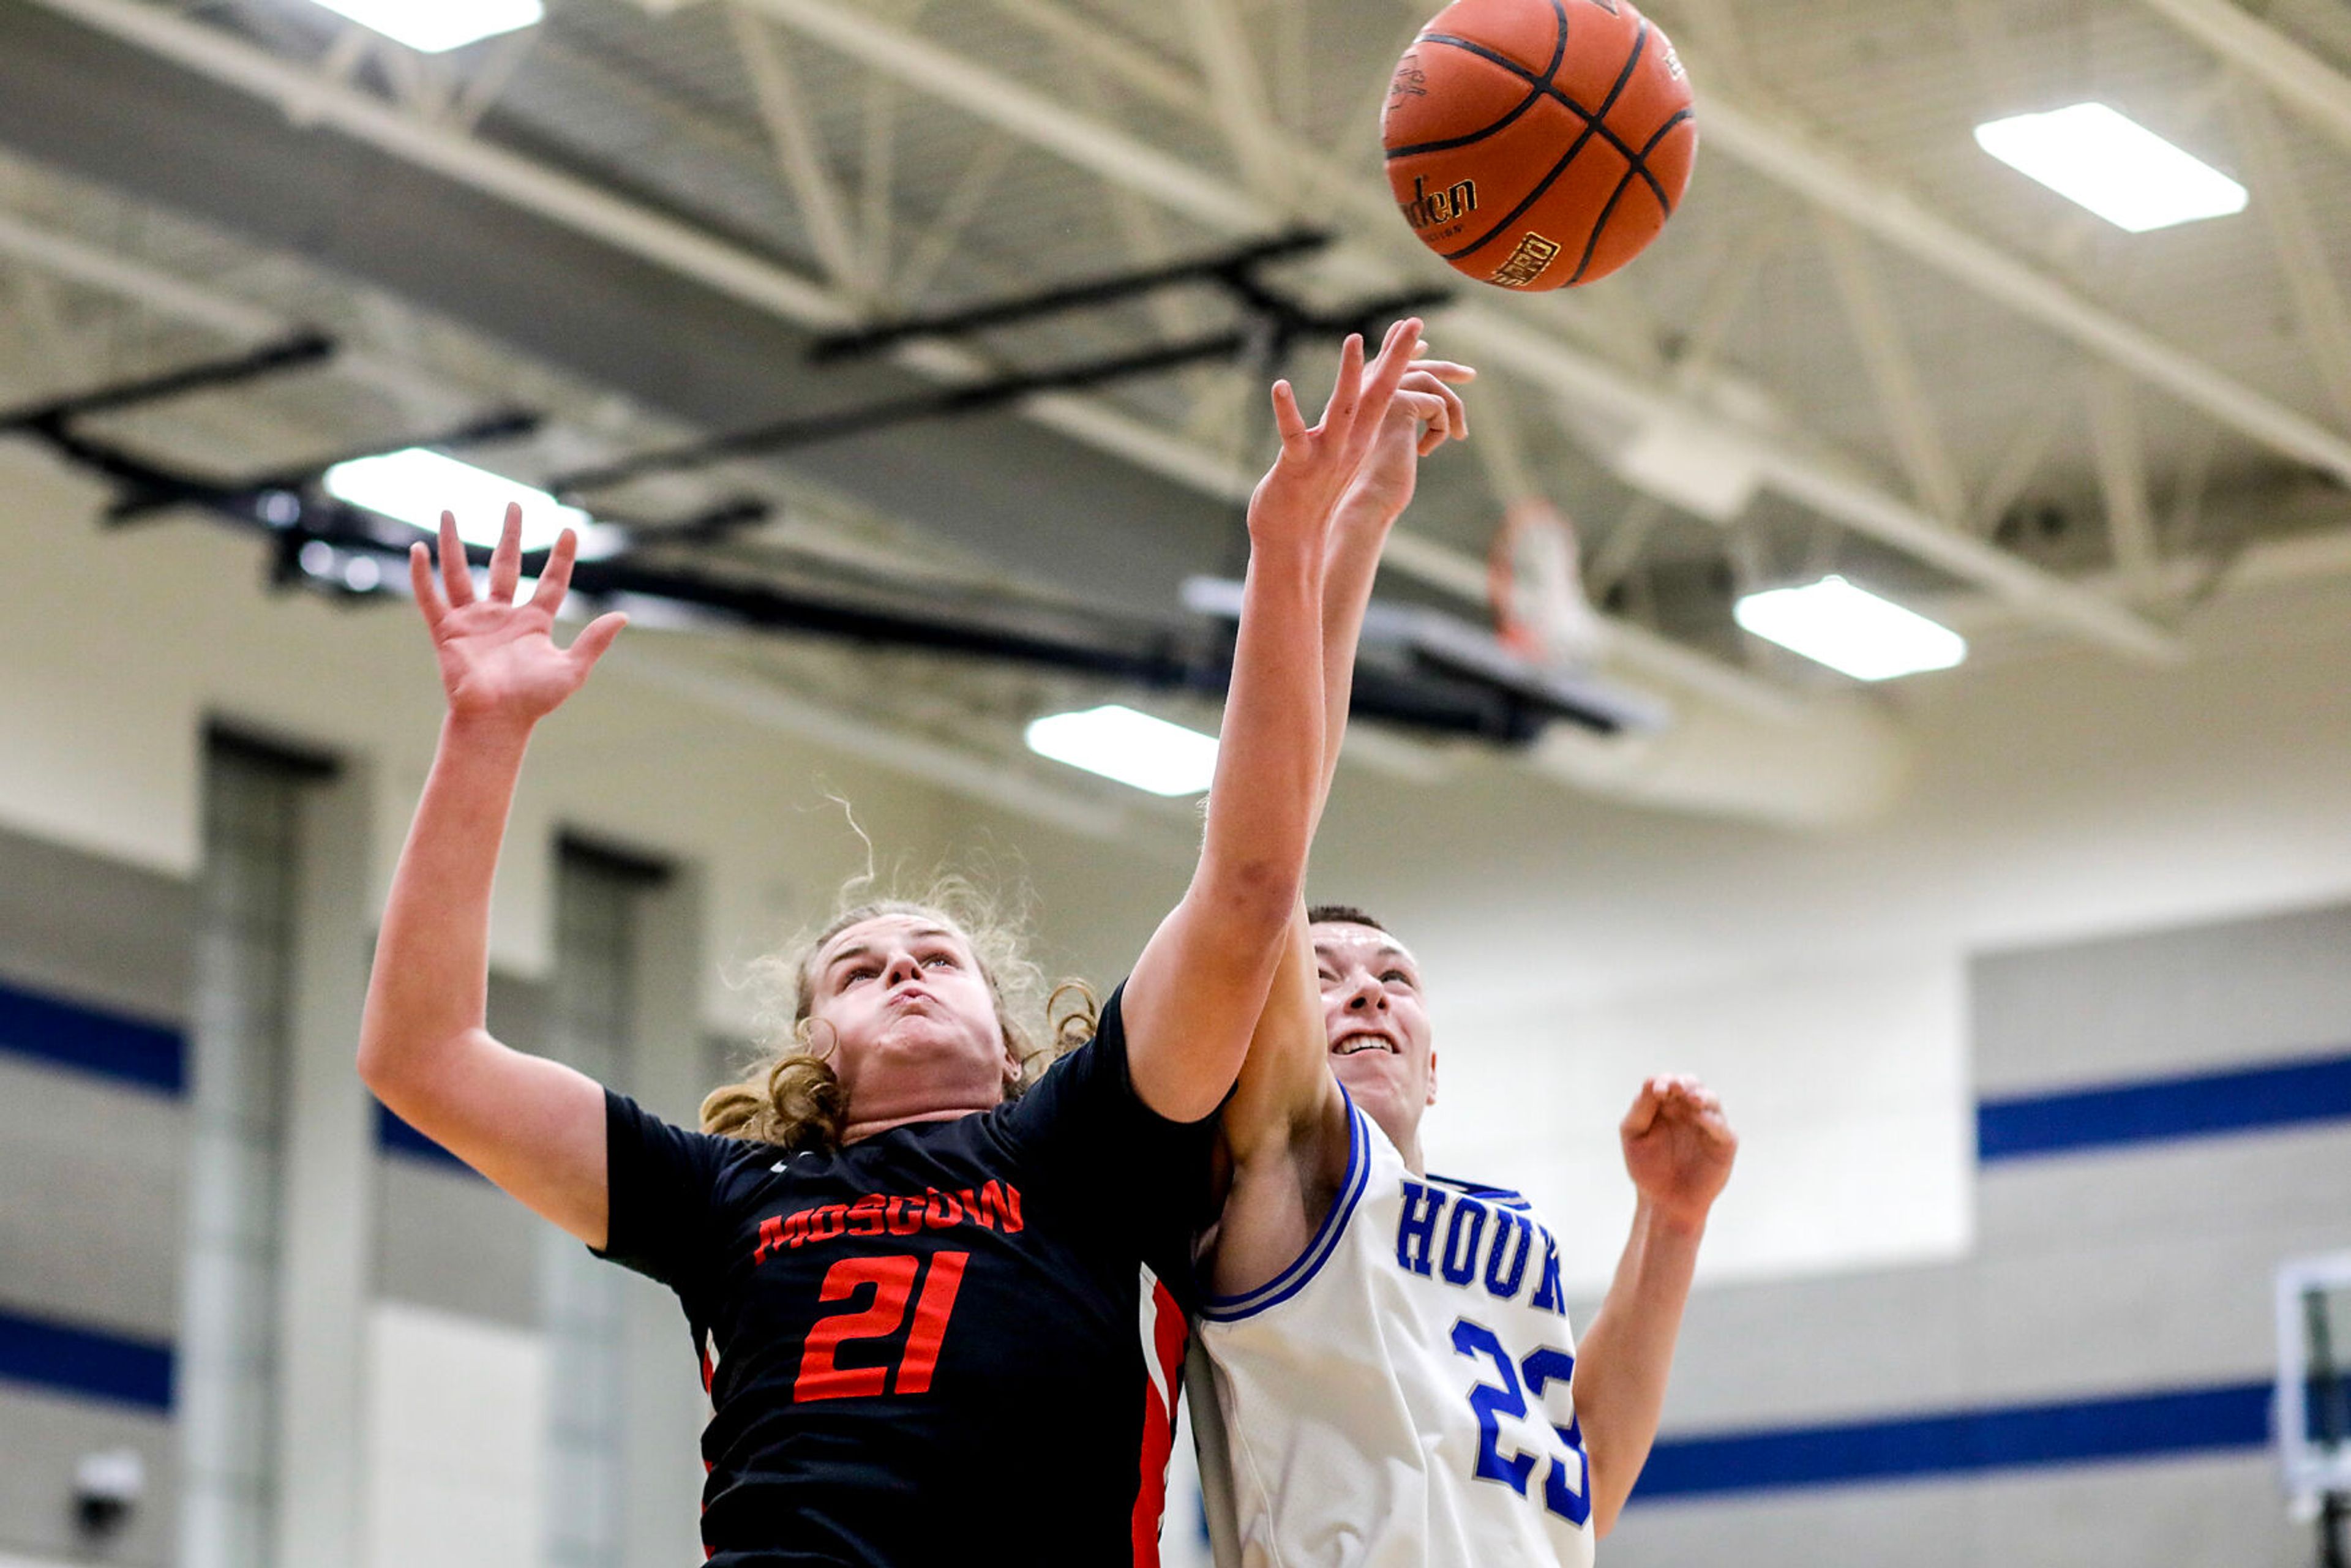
(950, 1311)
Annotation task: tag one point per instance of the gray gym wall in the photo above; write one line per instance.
(91, 1172)
(95, 1226)
(2104, 1272)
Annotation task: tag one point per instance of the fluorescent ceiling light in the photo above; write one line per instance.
(1850, 629)
(415, 486)
(1129, 746)
(2113, 165)
(433, 26)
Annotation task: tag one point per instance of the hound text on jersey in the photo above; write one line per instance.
(1400, 1395)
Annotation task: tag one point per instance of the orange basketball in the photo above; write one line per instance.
(1538, 143)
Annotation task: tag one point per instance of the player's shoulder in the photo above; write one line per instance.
(641, 1137)
(748, 1174)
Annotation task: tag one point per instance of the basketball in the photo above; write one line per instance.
(1538, 144)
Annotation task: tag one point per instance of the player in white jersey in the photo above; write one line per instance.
(1395, 1378)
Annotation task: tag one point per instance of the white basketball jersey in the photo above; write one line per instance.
(1399, 1395)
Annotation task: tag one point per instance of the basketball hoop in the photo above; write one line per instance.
(2313, 1393)
(1534, 583)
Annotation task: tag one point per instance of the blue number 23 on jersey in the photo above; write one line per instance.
(1492, 1402)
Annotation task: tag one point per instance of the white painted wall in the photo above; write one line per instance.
(1849, 1082)
(456, 1440)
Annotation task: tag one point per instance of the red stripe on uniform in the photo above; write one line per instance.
(709, 1374)
(709, 1377)
(1164, 1343)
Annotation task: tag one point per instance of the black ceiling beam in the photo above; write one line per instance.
(946, 402)
(1141, 653)
(502, 424)
(1234, 268)
(291, 509)
(483, 430)
(1369, 316)
(711, 526)
(1271, 334)
(297, 352)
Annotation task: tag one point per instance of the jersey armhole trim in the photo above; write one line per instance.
(1301, 1272)
(1500, 1196)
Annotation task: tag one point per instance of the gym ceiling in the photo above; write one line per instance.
(1862, 346)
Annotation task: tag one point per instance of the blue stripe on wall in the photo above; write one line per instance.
(395, 1136)
(2022, 1437)
(2195, 1105)
(90, 1040)
(90, 1363)
(110, 1045)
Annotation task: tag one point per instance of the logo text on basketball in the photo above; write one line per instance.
(1429, 208)
(1527, 262)
(1410, 80)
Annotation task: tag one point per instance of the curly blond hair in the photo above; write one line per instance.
(791, 1096)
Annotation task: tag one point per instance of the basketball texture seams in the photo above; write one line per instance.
(1536, 143)
(1594, 124)
(1601, 230)
(1538, 78)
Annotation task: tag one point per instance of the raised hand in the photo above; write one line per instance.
(1677, 1148)
(498, 659)
(1425, 413)
(1298, 494)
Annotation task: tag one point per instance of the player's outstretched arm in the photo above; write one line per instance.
(1678, 1148)
(1285, 1128)
(533, 1126)
(1197, 989)
(1425, 414)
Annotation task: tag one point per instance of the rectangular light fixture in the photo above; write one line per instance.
(415, 486)
(1132, 747)
(2113, 165)
(435, 27)
(1850, 629)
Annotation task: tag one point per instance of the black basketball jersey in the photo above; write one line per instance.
(955, 1341)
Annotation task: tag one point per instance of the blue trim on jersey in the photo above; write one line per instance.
(1501, 1197)
(1294, 1279)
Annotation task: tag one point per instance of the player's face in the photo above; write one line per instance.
(914, 1017)
(1378, 1022)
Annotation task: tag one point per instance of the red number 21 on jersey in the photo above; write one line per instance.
(892, 1280)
